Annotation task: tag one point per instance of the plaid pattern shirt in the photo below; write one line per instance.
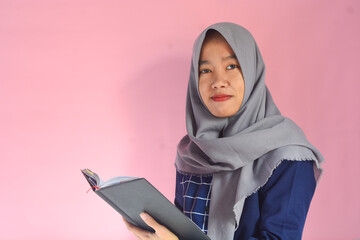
(195, 193)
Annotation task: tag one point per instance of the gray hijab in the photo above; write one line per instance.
(240, 151)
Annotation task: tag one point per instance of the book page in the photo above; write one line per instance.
(115, 180)
(95, 181)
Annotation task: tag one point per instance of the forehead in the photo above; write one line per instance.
(215, 43)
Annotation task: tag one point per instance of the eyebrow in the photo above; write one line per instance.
(230, 57)
(202, 62)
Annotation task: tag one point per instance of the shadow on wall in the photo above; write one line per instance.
(154, 111)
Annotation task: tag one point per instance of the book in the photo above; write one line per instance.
(131, 196)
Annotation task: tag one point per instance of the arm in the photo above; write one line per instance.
(285, 200)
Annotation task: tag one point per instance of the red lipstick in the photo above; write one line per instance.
(220, 97)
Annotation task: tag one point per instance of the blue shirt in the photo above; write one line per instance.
(276, 211)
(194, 193)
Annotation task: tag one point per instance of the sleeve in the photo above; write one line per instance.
(285, 200)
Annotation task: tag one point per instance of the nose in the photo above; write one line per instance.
(220, 81)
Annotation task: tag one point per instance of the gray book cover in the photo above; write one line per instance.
(136, 195)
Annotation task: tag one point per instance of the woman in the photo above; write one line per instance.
(243, 170)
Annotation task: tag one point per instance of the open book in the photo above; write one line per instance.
(131, 196)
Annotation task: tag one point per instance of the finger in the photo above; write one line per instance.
(140, 233)
(160, 230)
(150, 221)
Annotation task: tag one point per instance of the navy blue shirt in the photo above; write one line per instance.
(276, 211)
(194, 192)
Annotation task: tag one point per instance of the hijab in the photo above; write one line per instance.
(240, 151)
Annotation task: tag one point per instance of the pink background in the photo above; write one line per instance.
(101, 84)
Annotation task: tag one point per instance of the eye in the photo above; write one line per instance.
(205, 71)
(232, 66)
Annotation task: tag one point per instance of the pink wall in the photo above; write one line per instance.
(101, 84)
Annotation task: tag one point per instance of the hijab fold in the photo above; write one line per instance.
(240, 151)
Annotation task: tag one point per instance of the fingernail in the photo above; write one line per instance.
(144, 216)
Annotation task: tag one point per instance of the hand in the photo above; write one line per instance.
(161, 232)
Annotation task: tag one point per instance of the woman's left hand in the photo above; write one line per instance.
(161, 232)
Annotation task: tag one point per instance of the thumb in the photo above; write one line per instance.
(161, 231)
(150, 221)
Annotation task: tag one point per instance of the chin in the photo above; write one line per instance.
(223, 114)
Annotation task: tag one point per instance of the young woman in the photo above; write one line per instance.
(244, 171)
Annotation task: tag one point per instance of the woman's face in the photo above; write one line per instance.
(221, 83)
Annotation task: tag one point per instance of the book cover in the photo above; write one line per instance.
(132, 196)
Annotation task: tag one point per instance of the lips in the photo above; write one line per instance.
(220, 97)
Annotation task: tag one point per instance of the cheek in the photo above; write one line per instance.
(203, 90)
(241, 89)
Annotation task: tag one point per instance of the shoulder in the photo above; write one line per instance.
(293, 177)
(301, 168)
(289, 168)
